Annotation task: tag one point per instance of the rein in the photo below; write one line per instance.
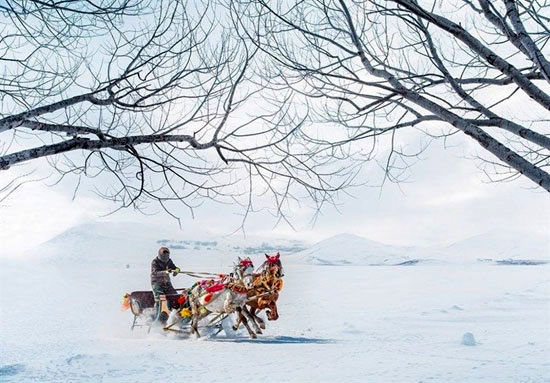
(238, 288)
(199, 274)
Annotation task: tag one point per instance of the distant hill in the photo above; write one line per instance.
(112, 244)
(496, 247)
(122, 243)
(499, 246)
(349, 249)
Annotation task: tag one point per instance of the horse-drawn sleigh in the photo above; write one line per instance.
(209, 303)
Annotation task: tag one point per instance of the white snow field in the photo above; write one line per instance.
(61, 318)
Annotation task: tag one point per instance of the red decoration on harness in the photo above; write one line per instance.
(182, 299)
(246, 262)
(208, 298)
(273, 259)
(239, 289)
(215, 288)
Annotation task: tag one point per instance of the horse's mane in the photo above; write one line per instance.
(280, 273)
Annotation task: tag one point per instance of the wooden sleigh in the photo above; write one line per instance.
(142, 306)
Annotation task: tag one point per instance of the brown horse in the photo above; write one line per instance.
(265, 291)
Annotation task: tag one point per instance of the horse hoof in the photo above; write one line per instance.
(262, 326)
(259, 332)
(253, 336)
(234, 328)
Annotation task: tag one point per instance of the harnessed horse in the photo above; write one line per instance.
(224, 296)
(265, 292)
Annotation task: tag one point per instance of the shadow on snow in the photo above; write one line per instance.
(276, 340)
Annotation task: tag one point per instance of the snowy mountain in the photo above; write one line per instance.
(108, 242)
(117, 244)
(122, 243)
(500, 247)
(349, 249)
(494, 247)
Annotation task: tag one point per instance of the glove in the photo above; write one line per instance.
(167, 271)
(176, 271)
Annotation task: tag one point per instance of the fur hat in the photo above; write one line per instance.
(164, 254)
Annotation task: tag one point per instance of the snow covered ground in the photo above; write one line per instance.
(61, 321)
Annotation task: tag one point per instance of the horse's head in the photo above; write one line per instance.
(273, 265)
(244, 270)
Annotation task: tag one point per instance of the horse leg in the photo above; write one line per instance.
(194, 325)
(250, 312)
(245, 323)
(252, 317)
(195, 315)
(237, 323)
(272, 313)
(249, 316)
(259, 320)
(227, 307)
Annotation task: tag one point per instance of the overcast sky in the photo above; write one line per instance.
(447, 199)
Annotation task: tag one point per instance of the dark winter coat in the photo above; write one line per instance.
(158, 271)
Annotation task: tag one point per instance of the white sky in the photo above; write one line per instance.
(445, 201)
